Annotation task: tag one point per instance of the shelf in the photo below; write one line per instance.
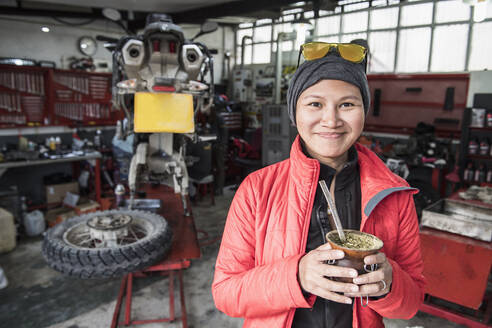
(487, 128)
(488, 158)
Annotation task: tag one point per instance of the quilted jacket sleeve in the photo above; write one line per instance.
(240, 287)
(407, 290)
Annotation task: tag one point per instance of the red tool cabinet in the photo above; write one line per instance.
(457, 270)
(400, 101)
(37, 96)
(23, 95)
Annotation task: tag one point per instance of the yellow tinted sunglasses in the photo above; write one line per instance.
(352, 52)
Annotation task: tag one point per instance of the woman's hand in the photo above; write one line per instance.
(314, 275)
(376, 283)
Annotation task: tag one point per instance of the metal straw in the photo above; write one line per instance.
(333, 209)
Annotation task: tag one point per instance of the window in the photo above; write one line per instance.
(413, 50)
(449, 11)
(263, 21)
(288, 18)
(420, 14)
(287, 28)
(263, 33)
(241, 33)
(261, 53)
(330, 39)
(384, 18)
(309, 14)
(481, 47)
(286, 46)
(354, 22)
(329, 25)
(356, 6)
(349, 37)
(379, 3)
(449, 48)
(247, 55)
(382, 51)
(399, 34)
(238, 55)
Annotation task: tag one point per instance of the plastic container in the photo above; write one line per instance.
(34, 223)
(484, 147)
(3, 279)
(473, 146)
(7, 231)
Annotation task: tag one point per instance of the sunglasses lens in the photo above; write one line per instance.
(315, 50)
(352, 52)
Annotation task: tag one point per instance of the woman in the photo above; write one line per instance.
(272, 268)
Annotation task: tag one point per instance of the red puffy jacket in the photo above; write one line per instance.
(266, 233)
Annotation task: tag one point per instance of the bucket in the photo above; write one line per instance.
(34, 223)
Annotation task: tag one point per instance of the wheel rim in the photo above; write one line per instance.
(108, 230)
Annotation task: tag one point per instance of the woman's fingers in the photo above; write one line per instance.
(375, 289)
(314, 275)
(336, 286)
(326, 270)
(371, 277)
(332, 296)
(375, 283)
(375, 259)
(326, 255)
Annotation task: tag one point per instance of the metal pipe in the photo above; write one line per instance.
(278, 67)
(243, 43)
(282, 36)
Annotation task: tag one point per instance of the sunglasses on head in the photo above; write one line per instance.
(352, 52)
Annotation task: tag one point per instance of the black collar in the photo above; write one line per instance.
(346, 175)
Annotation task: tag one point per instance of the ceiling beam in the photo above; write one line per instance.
(5, 10)
(235, 8)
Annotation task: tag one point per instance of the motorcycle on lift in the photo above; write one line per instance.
(161, 81)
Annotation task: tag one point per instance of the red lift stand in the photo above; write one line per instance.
(184, 248)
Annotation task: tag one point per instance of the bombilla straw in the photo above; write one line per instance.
(333, 209)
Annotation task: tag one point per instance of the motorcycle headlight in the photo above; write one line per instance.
(133, 52)
(192, 58)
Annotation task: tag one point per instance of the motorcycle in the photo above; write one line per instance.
(161, 81)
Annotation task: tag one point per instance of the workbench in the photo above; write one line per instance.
(184, 248)
(95, 156)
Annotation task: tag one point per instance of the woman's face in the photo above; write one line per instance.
(330, 118)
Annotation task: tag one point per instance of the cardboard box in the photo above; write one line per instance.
(56, 193)
(88, 206)
(58, 215)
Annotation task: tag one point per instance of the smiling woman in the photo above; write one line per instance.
(330, 119)
(275, 267)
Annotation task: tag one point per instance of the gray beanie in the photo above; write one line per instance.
(331, 67)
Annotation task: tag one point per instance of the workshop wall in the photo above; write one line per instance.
(480, 82)
(28, 41)
(222, 40)
(22, 37)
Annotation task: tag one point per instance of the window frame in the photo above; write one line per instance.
(339, 11)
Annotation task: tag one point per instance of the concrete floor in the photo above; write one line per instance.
(39, 297)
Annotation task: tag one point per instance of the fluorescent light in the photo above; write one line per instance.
(45, 29)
